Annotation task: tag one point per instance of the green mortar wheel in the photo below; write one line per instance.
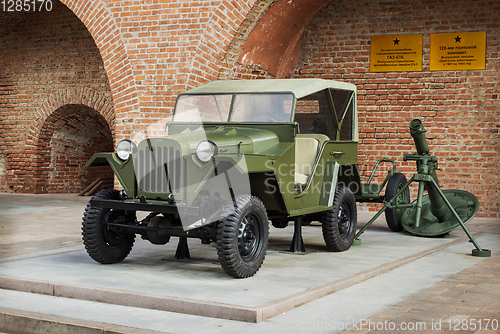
(465, 204)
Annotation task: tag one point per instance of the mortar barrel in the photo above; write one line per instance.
(417, 131)
(438, 206)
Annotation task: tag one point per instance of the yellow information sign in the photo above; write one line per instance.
(396, 53)
(458, 51)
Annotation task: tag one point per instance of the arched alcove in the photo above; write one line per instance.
(48, 59)
(67, 139)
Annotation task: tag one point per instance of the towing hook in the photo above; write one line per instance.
(123, 196)
(171, 199)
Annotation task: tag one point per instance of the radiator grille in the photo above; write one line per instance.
(159, 170)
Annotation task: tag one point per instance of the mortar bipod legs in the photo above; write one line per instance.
(387, 205)
(475, 252)
(418, 204)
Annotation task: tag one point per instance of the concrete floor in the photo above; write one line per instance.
(41, 249)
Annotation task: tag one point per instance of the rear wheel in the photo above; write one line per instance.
(396, 182)
(242, 237)
(339, 223)
(103, 244)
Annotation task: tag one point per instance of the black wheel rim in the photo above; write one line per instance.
(345, 221)
(249, 237)
(111, 237)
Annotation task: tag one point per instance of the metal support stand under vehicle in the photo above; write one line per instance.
(297, 245)
(182, 252)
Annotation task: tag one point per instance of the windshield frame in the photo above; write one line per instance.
(234, 95)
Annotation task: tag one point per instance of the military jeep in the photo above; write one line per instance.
(238, 154)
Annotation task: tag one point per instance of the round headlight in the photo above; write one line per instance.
(206, 150)
(125, 148)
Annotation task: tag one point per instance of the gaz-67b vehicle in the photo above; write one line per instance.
(239, 154)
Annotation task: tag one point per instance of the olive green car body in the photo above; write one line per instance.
(265, 151)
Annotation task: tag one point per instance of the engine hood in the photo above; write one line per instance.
(228, 138)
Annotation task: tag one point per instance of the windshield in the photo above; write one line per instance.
(247, 108)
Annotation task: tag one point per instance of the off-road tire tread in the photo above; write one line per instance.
(329, 221)
(227, 237)
(91, 233)
(391, 215)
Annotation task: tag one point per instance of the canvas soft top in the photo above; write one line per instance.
(299, 87)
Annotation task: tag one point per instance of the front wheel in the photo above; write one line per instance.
(103, 244)
(339, 223)
(243, 236)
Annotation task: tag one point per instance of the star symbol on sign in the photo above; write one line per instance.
(396, 41)
(457, 39)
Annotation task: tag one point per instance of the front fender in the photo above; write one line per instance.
(124, 170)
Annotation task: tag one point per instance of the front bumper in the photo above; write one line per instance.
(178, 210)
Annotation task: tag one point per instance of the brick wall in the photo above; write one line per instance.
(460, 109)
(8, 21)
(150, 51)
(171, 46)
(48, 60)
(68, 139)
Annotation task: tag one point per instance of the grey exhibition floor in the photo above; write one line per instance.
(152, 270)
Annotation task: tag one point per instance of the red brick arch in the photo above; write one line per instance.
(75, 95)
(36, 143)
(274, 43)
(262, 35)
(107, 37)
(218, 40)
(225, 38)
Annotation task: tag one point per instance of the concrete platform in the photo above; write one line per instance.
(56, 277)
